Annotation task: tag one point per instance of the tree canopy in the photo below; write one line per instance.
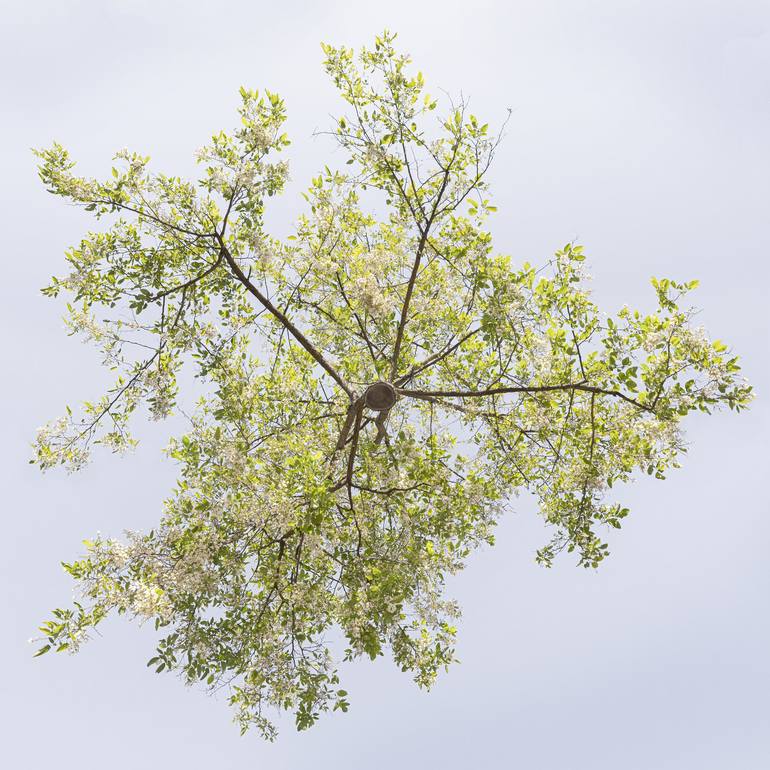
(376, 388)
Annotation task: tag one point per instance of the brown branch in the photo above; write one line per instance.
(288, 325)
(425, 394)
(380, 423)
(416, 265)
(342, 440)
(353, 448)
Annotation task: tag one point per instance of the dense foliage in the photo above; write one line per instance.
(378, 386)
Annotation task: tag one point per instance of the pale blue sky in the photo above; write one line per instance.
(639, 128)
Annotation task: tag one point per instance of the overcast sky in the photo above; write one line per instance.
(640, 129)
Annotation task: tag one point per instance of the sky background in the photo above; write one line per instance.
(639, 129)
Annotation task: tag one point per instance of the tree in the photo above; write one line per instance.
(377, 387)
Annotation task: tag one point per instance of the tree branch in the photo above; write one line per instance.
(425, 394)
(415, 269)
(288, 325)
